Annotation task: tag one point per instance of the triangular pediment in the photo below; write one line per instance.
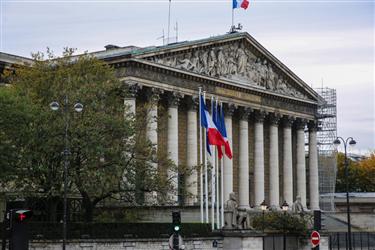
(236, 58)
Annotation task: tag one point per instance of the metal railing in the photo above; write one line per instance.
(360, 241)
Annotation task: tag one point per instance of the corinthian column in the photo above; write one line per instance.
(287, 161)
(313, 167)
(301, 162)
(228, 163)
(172, 145)
(152, 123)
(130, 99)
(274, 161)
(258, 159)
(243, 192)
(153, 96)
(192, 152)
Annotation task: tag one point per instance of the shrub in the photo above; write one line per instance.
(283, 222)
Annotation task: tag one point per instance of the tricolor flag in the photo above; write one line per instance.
(223, 131)
(213, 135)
(217, 122)
(244, 4)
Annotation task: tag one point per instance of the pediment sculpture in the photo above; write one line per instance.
(231, 62)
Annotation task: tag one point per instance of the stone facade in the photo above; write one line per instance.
(267, 108)
(270, 107)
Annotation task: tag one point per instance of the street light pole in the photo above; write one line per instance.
(66, 155)
(78, 107)
(351, 142)
(263, 206)
(285, 208)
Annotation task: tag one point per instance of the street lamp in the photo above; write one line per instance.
(263, 206)
(285, 208)
(78, 107)
(351, 142)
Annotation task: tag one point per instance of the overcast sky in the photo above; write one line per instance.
(324, 42)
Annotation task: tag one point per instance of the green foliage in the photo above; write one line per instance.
(360, 174)
(283, 222)
(105, 153)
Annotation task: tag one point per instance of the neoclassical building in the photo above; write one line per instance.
(270, 114)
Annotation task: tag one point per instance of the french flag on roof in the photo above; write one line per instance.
(213, 134)
(244, 4)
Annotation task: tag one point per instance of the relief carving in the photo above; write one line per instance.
(232, 62)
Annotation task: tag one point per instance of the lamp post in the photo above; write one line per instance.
(78, 107)
(263, 206)
(285, 208)
(348, 142)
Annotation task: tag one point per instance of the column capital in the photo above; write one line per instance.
(173, 99)
(300, 123)
(192, 102)
(259, 115)
(245, 112)
(229, 109)
(288, 121)
(312, 125)
(274, 118)
(133, 89)
(153, 94)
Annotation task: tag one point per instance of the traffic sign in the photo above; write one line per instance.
(315, 238)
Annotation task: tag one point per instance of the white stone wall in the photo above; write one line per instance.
(140, 244)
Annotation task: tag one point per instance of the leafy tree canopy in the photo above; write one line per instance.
(361, 174)
(105, 152)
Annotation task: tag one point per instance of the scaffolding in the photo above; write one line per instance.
(326, 134)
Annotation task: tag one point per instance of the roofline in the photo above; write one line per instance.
(14, 59)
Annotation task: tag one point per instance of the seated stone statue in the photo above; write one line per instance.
(297, 206)
(231, 212)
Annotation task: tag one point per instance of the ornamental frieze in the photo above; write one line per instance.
(177, 82)
(231, 62)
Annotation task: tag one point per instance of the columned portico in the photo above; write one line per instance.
(228, 163)
(243, 191)
(274, 161)
(192, 152)
(313, 167)
(300, 161)
(258, 159)
(287, 161)
(172, 144)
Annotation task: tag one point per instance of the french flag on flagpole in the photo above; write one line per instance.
(213, 135)
(218, 118)
(223, 131)
(244, 4)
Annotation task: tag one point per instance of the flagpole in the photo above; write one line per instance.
(213, 180)
(201, 156)
(232, 17)
(205, 167)
(222, 175)
(169, 20)
(217, 180)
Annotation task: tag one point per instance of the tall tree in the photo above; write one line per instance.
(361, 174)
(105, 152)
